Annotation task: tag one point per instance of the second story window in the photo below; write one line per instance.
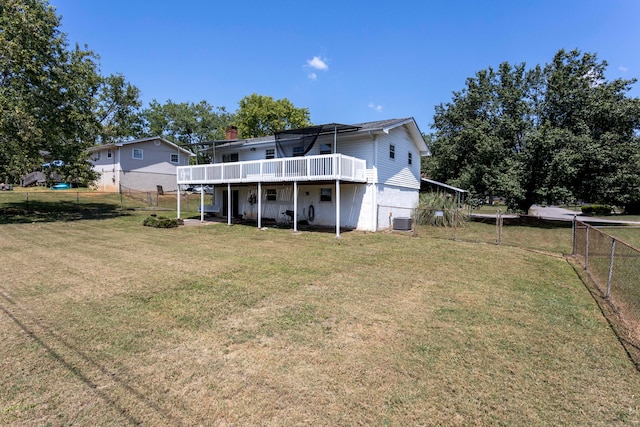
(174, 158)
(271, 153)
(137, 153)
(410, 158)
(392, 151)
(298, 151)
(325, 149)
(109, 153)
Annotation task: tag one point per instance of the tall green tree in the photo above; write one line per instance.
(260, 115)
(117, 109)
(186, 123)
(541, 134)
(46, 90)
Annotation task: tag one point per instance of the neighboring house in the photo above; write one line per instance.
(353, 176)
(141, 164)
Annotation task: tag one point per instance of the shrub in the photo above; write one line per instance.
(596, 210)
(161, 222)
(446, 206)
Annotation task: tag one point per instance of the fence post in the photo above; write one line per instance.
(573, 226)
(415, 222)
(613, 249)
(455, 223)
(499, 227)
(586, 249)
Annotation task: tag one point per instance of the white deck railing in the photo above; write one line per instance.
(308, 168)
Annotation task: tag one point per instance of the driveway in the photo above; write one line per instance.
(554, 212)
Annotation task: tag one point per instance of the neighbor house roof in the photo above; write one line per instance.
(138, 141)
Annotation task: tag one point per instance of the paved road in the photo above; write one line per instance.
(554, 212)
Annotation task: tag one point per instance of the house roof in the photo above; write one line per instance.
(138, 141)
(329, 128)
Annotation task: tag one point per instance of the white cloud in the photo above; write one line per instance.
(375, 107)
(317, 64)
(623, 68)
(312, 76)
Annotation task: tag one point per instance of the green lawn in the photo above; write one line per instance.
(106, 322)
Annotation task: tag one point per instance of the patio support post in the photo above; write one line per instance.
(337, 208)
(259, 204)
(178, 207)
(295, 206)
(228, 203)
(202, 203)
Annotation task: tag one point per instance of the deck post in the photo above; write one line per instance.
(295, 206)
(202, 203)
(228, 203)
(178, 207)
(337, 208)
(259, 204)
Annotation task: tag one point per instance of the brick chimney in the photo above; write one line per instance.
(232, 132)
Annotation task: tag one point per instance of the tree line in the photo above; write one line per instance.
(558, 132)
(54, 101)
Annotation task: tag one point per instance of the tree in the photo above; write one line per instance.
(117, 108)
(548, 133)
(46, 89)
(260, 115)
(187, 124)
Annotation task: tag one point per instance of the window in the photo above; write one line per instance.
(325, 194)
(174, 158)
(137, 153)
(298, 151)
(392, 151)
(325, 149)
(410, 158)
(109, 153)
(98, 156)
(231, 157)
(271, 194)
(271, 153)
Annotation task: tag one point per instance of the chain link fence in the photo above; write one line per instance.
(499, 228)
(614, 268)
(47, 200)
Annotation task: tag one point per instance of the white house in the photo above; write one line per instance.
(354, 176)
(140, 164)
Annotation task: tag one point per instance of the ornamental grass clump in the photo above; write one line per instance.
(439, 210)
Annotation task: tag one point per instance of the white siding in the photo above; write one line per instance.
(394, 202)
(397, 171)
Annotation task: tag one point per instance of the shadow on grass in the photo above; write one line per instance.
(526, 221)
(36, 211)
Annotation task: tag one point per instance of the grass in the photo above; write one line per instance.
(628, 234)
(106, 322)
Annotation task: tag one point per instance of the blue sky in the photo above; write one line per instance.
(347, 61)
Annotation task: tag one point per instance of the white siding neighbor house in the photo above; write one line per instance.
(352, 176)
(141, 164)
